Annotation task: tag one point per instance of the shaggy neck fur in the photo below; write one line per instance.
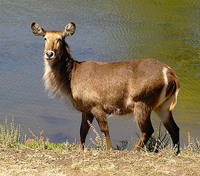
(57, 76)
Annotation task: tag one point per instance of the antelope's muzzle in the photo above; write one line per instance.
(49, 55)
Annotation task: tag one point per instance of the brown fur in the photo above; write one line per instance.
(100, 88)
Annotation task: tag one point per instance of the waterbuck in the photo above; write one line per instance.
(99, 88)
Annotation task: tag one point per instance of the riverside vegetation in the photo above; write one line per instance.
(20, 155)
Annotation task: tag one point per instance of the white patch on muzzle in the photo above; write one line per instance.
(50, 55)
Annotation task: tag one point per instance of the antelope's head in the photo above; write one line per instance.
(54, 40)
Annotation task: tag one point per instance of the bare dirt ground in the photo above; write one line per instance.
(28, 162)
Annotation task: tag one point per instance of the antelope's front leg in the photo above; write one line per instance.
(102, 121)
(85, 127)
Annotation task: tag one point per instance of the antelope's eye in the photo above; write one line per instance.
(59, 40)
(45, 39)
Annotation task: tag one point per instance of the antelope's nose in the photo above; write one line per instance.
(50, 55)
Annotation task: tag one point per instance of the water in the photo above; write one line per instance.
(106, 31)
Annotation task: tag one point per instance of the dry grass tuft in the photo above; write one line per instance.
(98, 142)
(193, 144)
(10, 135)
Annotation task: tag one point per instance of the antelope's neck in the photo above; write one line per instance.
(57, 78)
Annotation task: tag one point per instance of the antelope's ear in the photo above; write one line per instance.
(69, 29)
(37, 30)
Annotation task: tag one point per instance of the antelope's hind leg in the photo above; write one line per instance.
(85, 127)
(169, 123)
(142, 115)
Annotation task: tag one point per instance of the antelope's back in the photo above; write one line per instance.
(118, 84)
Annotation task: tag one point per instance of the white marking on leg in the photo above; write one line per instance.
(173, 104)
(163, 93)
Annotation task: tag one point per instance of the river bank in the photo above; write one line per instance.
(38, 162)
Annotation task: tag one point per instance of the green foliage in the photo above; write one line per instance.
(37, 142)
(44, 145)
(9, 133)
(41, 142)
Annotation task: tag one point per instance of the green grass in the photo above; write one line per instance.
(42, 142)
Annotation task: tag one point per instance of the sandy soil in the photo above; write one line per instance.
(28, 162)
